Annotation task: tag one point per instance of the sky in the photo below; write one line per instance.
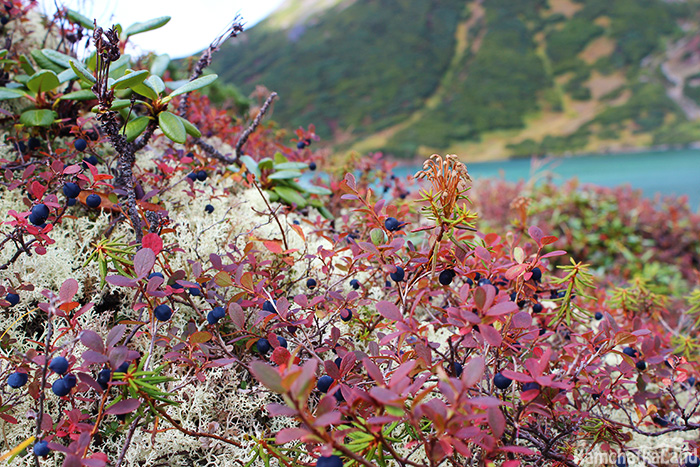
(194, 24)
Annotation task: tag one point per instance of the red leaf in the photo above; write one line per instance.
(268, 376)
(68, 290)
(473, 371)
(492, 336)
(121, 281)
(273, 245)
(92, 340)
(144, 260)
(502, 308)
(553, 253)
(549, 239)
(330, 418)
(125, 406)
(373, 370)
(153, 241)
(522, 320)
(515, 271)
(483, 253)
(71, 169)
(497, 421)
(279, 410)
(237, 315)
(37, 190)
(290, 434)
(536, 234)
(401, 372)
(389, 311)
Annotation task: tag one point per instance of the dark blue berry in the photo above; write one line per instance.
(72, 201)
(80, 144)
(269, 307)
(209, 208)
(355, 284)
(536, 274)
(162, 312)
(41, 449)
(219, 312)
(17, 379)
(93, 200)
(598, 315)
(324, 383)
(641, 365)
(33, 143)
(70, 380)
(338, 361)
(60, 388)
(661, 421)
(282, 341)
(346, 314)
(446, 276)
(71, 190)
(263, 346)
(537, 308)
(211, 318)
(59, 365)
(295, 222)
(629, 351)
(398, 275)
(329, 461)
(470, 282)
(501, 382)
(312, 166)
(456, 369)
(36, 220)
(13, 298)
(301, 145)
(92, 160)
(41, 211)
(311, 283)
(103, 378)
(123, 368)
(202, 175)
(530, 386)
(156, 274)
(194, 291)
(192, 176)
(392, 224)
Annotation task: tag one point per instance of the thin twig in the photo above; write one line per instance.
(127, 441)
(244, 137)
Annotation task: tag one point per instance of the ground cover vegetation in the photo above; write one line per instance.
(174, 292)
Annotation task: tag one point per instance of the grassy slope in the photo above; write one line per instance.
(488, 79)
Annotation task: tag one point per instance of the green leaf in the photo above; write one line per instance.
(145, 91)
(136, 126)
(290, 196)
(284, 175)
(291, 166)
(314, 189)
(190, 128)
(26, 65)
(76, 17)
(138, 28)
(274, 197)
(44, 62)
(156, 84)
(160, 64)
(118, 67)
(268, 376)
(172, 127)
(82, 72)
(3, 52)
(131, 78)
(251, 165)
(38, 117)
(43, 81)
(58, 58)
(194, 85)
(82, 95)
(67, 75)
(266, 163)
(280, 158)
(6, 94)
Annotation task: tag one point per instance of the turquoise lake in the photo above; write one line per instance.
(673, 172)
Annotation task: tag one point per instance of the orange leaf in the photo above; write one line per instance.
(247, 281)
(274, 246)
(297, 229)
(200, 337)
(223, 279)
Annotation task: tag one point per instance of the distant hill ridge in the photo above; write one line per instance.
(487, 79)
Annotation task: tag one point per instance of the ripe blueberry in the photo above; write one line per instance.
(41, 449)
(537, 308)
(72, 201)
(33, 143)
(13, 298)
(70, 380)
(202, 175)
(263, 346)
(621, 461)
(536, 274)
(346, 314)
(355, 284)
(312, 166)
(398, 275)
(629, 351)
(501, 381)
(155, 274)
(530, 386)
(469, 281)
(323, 383)
(92, 160)
(219, 312)
(194, 291)
(392, 224)
(661, 421)
(40, 211)
(80, 144)
(329, 461)
(338, 361)
(123, 368)
(93, 200)
(17, 379)
(209, 208)
(598, 315)
(455, 369)
(60, 388)
(641, 365)
(446, 276)
(59, 365)
(162, 312)
(103, 378)
(311, 283)
(71, 190)
(192, 176)
(282, 341)
(269, 306)
(211, 319)
(301, 145)
(35, 220)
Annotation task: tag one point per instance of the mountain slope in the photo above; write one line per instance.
(496, 78)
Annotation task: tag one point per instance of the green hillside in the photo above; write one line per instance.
(499, 78)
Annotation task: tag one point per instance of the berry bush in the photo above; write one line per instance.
(174, 292)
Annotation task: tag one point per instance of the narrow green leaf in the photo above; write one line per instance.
(160, 64)
(82, 95)
(172, 127)
(6, 94)
(136, 126)
(76, 17)
(3, 52)
(191, 130)
(314, 189)
(38, 117)
(43, 81)
(291, 166)
(58, 58)
(131, 78)
(290, 196)
(284, 175)
(194, 85)
(67, 75)
(138, 28)
(82, 72)
(26, 65)
(44, 62)
(251, 165)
